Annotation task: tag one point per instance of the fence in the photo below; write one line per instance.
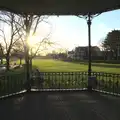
(10, 84)
(60, 80)
(106, 82)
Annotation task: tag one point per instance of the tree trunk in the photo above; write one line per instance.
(111, 55)
(116, 54)
(105, 53)
(20, 61)
(30, 65)
(1, 61)
(7, 63)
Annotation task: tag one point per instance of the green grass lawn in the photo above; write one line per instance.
(49, 65)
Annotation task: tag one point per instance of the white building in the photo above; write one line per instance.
(70, 54)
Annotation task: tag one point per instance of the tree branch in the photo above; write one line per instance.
(4, 38)
(38, 47)
(37, 22)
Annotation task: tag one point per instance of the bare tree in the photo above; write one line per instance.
(18, 51)
(30, 24)
(20, 27)
(11, 36)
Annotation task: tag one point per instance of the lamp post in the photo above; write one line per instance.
(89, 44)
(89, 18)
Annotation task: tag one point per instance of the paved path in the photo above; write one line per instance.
(61, 106)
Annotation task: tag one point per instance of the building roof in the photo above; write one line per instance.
(59, 7)
(86, 47)
(70, 52)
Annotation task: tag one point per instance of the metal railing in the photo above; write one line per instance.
(106, 82)
(11, 84)
(60, 80)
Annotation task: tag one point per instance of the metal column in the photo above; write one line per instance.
(89, 18)
(89, 44)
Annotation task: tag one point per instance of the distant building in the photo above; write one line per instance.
(95, 51)
(81, 53)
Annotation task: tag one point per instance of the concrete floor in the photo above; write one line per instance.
(60, 106)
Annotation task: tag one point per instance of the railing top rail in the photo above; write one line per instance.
(82, 72)
(7, 75)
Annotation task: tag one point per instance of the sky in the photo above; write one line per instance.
(71, 31)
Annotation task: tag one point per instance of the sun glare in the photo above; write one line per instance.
(32, 40)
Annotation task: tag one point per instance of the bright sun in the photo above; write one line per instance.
(32, 40)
